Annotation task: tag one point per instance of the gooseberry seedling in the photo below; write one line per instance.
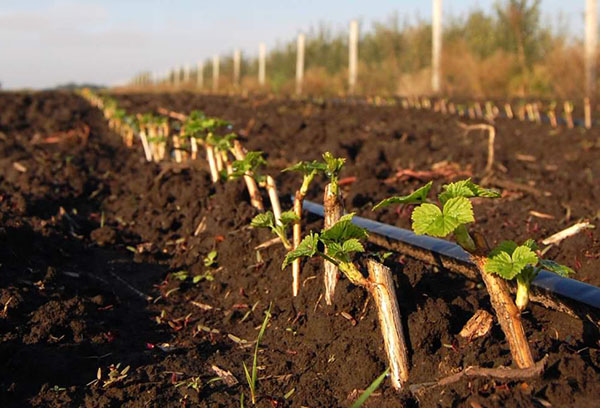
(338, 244)
(308, 170)
(267, 220)
(521, 263)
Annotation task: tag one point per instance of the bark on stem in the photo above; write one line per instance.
(333, 211)
(388, 312)
(194, 148)
(274, 198)
(210, 157)
(297, 232)
(508, 315)
(255, 198)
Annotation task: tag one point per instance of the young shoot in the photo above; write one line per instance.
(521, 263)
(335, 244)
(248, 166)
(333, 166)
(308, 170)
(252, 378)
(267, 220)
(452, 216)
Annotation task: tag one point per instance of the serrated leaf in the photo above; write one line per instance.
(306, 248)
(306, 167)
(465, 188)
(429, 219)
(263, 220)
(504, 246)
(508, 266)
(416, 197)
(343, 230)
(531, 244)
(557, 268)
(334, 164)
(251, 162)
(352, 245)
(288, 217)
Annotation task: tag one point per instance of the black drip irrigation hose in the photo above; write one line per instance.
(551, 282)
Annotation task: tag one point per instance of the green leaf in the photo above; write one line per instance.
(306, 248)
(334, 164)
(263, 220)
(504, 246)
(416, 197)
(252, 161)
(508, 265)
(181, 275)
(557, 268)
(210, 259)
(352, 245)
(306, 167)
(370, 390)
(343, 230)
(288, 217)
(531, 244)
(465, 188)
(429, 219)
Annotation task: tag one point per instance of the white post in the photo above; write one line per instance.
(200, 75)
(215, 74)
(591, 41)
(436, 56)
(262, 54)
(237, 58)
(299, 63)
(352, 55)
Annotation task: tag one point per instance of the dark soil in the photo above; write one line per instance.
(89, 231)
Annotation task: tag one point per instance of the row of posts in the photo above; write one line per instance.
(184, 74)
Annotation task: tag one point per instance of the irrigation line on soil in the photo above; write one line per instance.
(444, 252)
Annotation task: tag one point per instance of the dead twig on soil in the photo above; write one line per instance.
(567, 232)
(500, 373)
(491, 137)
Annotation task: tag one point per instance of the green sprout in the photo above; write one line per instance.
(248, 166)
(333, 166)
(308, 170)
(253, 378)
(210, 260)
(416, 197)
(370, 390)
(267, 220)
(523, 263)
(335, 244)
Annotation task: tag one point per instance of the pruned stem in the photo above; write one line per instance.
(333, 211)
(508, 110)
(255, 198)
(274, 198)
(568, 108)
(177, 148)
(587, 110)
(508, 315)
(297, 236)
(388, 312)
(210, 157)
(145, 145)
(218, 160)
(194, 148)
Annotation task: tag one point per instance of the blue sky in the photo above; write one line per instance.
(48, 42)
